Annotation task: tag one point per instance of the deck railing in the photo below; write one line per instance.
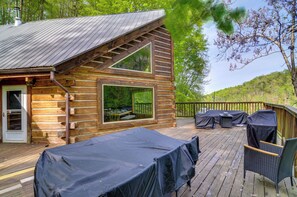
(286, 119)
(143, 108)
(286, 115)
(189, 109)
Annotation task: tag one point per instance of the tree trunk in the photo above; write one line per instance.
(294, 82)
(292, 48)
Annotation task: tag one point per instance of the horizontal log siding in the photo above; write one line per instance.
(48, 112)
(48, 102)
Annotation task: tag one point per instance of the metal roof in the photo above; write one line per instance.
(48, 43)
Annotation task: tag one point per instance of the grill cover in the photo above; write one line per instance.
(135, 162)
(261, 125)
(208, 119)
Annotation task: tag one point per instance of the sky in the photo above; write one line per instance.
(220, 76)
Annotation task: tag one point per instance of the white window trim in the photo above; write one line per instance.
(151, 60)
(24, 116)
(102, 104)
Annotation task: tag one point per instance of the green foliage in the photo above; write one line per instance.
(237, 14)
(139, 61)
(184, 20)
(144, 96)
(187, 15)
(273, 88)
(190, 67)
(6, 9)
(116, 97)
(224, 18)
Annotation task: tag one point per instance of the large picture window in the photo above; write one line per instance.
(127, 103)
(137, 61)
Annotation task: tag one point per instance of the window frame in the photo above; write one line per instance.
(138, 71)
(127, 85)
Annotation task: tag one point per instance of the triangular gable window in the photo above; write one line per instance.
(140, 60)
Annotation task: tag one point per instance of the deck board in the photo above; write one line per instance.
(219, 170)
(237, 185)
(258, 182)
(230, 168)
(212, 184)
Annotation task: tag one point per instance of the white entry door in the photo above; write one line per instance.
(14, 113)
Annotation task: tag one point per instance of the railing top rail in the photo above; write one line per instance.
(209, 102)
(290, 109)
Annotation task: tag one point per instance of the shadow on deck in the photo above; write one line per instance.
(219, 170)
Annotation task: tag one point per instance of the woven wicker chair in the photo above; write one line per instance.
(272, 161)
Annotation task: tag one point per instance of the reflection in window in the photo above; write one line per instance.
(14, 110)
(127, 103)
(138, 61)
(14, 99)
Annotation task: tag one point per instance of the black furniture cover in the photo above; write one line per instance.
(261, 125)
(203, 120)
(226, 120)
(208, 119)
(135, 162)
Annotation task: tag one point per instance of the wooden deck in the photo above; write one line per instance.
(219, 170)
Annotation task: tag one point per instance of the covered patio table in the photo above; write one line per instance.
(135, 162)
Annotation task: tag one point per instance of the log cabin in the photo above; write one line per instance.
(67, 80)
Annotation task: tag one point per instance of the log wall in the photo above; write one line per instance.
(48, 111)
(85, 84)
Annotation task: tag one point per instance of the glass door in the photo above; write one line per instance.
(14, 114)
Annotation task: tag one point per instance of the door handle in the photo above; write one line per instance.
(3, 114)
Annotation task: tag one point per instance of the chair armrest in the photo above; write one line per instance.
(260, 161)
(271, 147)
(260, 151)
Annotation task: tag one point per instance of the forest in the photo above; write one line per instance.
(273, 88)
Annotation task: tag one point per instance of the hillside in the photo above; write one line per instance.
(273, 88)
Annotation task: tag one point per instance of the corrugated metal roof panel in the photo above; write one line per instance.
(51, 42)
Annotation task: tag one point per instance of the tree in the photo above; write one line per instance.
(186, 16)
(184, 21)
(190, 67)
(268, 30)
(5, 11)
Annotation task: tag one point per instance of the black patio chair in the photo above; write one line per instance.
(272, 161)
